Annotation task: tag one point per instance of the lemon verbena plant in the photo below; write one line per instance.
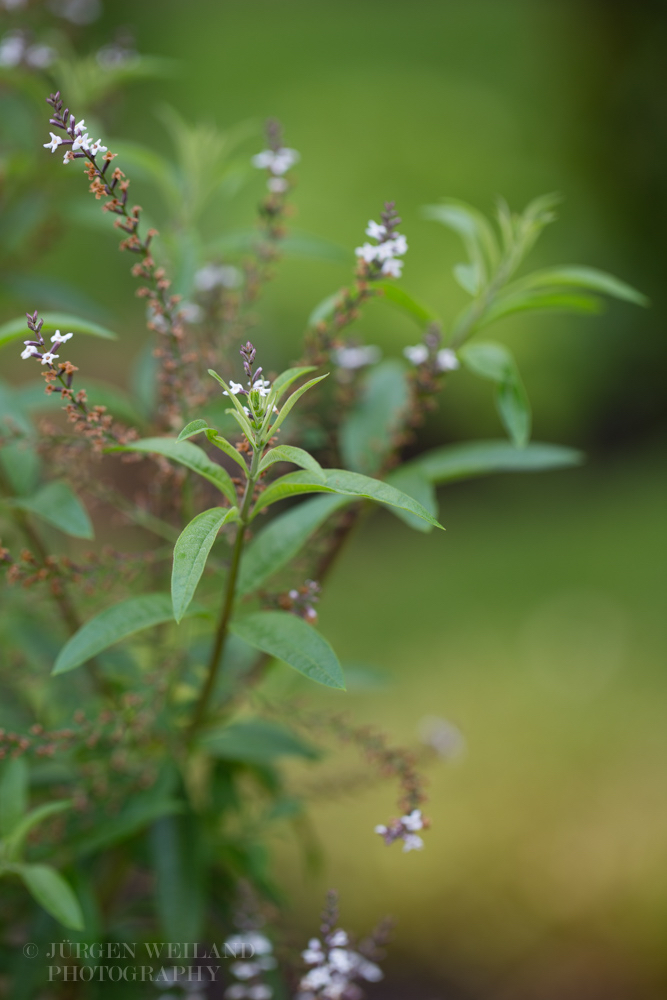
(139, 778)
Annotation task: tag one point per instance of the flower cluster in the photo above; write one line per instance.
(258, 387)
(335, 969)
(16, 50)
(35, 348)
(300, 602)
(78, 140)
(278, 159)
(404, 829)
(445, 359)
(383, 256)
(257, 958)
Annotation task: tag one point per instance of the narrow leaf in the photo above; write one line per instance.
(396, 296)
(16, 839)
(294, 398)
(52, 892)
(286, 378)
(290, 639)
(412, 481)
(191, 552)
(531, 301)
(16, 328)
(481, 458)
(13, 793)
(230, 451)
(255, 741)
(297, 456)
(367, 432)
(577, 276)
(58, 505)
(187, 454)
(290, 485)
(110, 626)
(280, 541)
(494, 361)
(325, 309)
(194, 427)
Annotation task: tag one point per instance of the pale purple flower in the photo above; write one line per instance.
(411, 842)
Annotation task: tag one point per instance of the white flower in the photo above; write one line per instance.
(369, 971)
(381, 829)
(55, 142)
(392, 268)
(245, 970)
(59, 338)
(399, 245)
(12, 48)
(29, 351)
(278, 185)
(367, 252)
(341, 960)
(247, 411)
(213, 275)
(262, 386)
(413, 821)
(339, 940)
(236, 992)
(260, 992)
(259, 943)
(79, 127)
(277, 162)
(375, 230)
(49, 358)
(446, 360)
(417, 354)
(81, 142)
(411, 842)
(236, 388)
(40, 56)
(357, 357)
(97, 147)
(191, 312)
(67, 157)
(316, 978)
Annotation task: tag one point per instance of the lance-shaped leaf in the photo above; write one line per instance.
(397, 297)
(191, 552)
(411, 480)
(495, 362)
(473, 228)
(187, 454)
(325, 309)
(238, 412)
(110, 626)
(52, 892)
(289, 638)
(230, 451)
(194, 427)
(577, 276)
(297, 456)
(481, 458)
(508, 303)
(366, 433)
(280, 541)
(351, 484)
(282, 383)
(255, 741)
(293, 399)
(16, 838)
(58, 505)
(16, 328)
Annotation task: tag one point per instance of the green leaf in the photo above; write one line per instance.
(577, 276)
(367, 433)
(325, 309)
(474, 229)
(341, 481)
(224, 445)
(280, 541)
(191, 552)
(110, 626)
(52, 892)
(494, 362)
(468, 277)
(13, 793)
(22, 466)
(255, 741)
(177, 856)
(411, 480)
(16, 838)
(506, 304)
(132, 819)
(297, 456)
(187, 454)
(290, 639)
(396, 296)
(286, 378)
(16, 328)
(194, 427)
(58, 505)
(481, 458)
(294, 398)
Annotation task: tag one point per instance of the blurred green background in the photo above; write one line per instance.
(536, 623)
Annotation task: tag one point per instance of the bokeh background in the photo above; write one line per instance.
(536, 624)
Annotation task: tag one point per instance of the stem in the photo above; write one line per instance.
(228, 600)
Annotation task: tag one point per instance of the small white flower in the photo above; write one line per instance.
(260, 992)
(40, 56)
(55, 142)
(277, 162)
(236, 388)
(357, 357)
(262, 386)
(81, 142)
(316, 978)
(392, 268)
(79, 127)
(236, 992)
(67, 157)
(371, 972)
(381, 829)
(339, 940)
(411, 842)
(245, 970)
(12, 48)
(375, 230)
(49, 358)
(417, 354)
(413, 821)
(97, 147)
(446, 360)
(367, 252)
(247, 411)
(213, 275)
(278, 185)
(59, 338)
(341, 960)
(191, 312)
(29, 352)
(399, 245)
(259, 943)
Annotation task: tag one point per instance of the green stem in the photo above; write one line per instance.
(228, 600)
